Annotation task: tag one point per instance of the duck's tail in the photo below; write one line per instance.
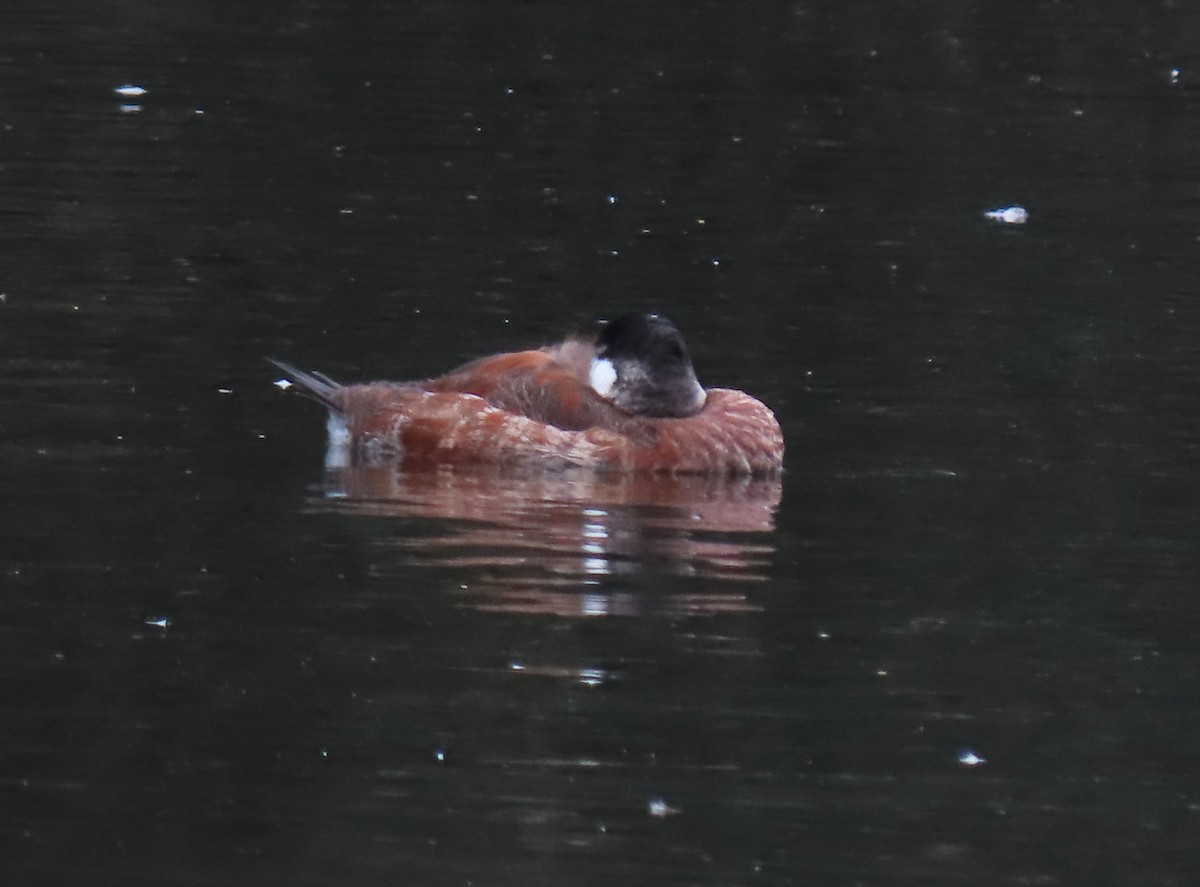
(316, 385)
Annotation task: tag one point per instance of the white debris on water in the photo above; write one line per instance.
(1009, 215)
(130, 91)
(591, 677)
(968, 758)
(658, 806)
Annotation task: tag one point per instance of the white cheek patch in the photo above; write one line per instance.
(602, 376)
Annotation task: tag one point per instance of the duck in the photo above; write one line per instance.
(627, 402)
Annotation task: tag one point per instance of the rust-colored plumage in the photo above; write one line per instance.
(627, 403)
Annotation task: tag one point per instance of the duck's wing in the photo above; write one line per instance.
(547, 385)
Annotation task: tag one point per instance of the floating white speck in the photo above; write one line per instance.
(1174, 76)
(282, 384)
(968, 758)
(439, 755)
(612, 198)
(129, 108)
(224, 391)
(162, 622)
(129, 91)
(591, 677)
(1009, 215)
(659, 807)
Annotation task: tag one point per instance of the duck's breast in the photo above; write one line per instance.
(733, 434)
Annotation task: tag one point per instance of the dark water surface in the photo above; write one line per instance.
(219, 665)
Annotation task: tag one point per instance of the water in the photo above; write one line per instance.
(955, 645)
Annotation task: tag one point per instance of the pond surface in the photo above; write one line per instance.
(956, 644)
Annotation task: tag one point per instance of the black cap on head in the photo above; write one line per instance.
(653, 370)
(642, 334)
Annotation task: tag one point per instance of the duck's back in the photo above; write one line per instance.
(547, 385)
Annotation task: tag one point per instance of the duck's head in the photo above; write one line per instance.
(642, 366)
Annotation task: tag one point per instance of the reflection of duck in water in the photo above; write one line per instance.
(569, 543)
(629, 402)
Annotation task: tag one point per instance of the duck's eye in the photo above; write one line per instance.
(677, 351)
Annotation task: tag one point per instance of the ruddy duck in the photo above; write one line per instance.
(628, 402)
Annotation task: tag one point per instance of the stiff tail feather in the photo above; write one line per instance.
(316, 385)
